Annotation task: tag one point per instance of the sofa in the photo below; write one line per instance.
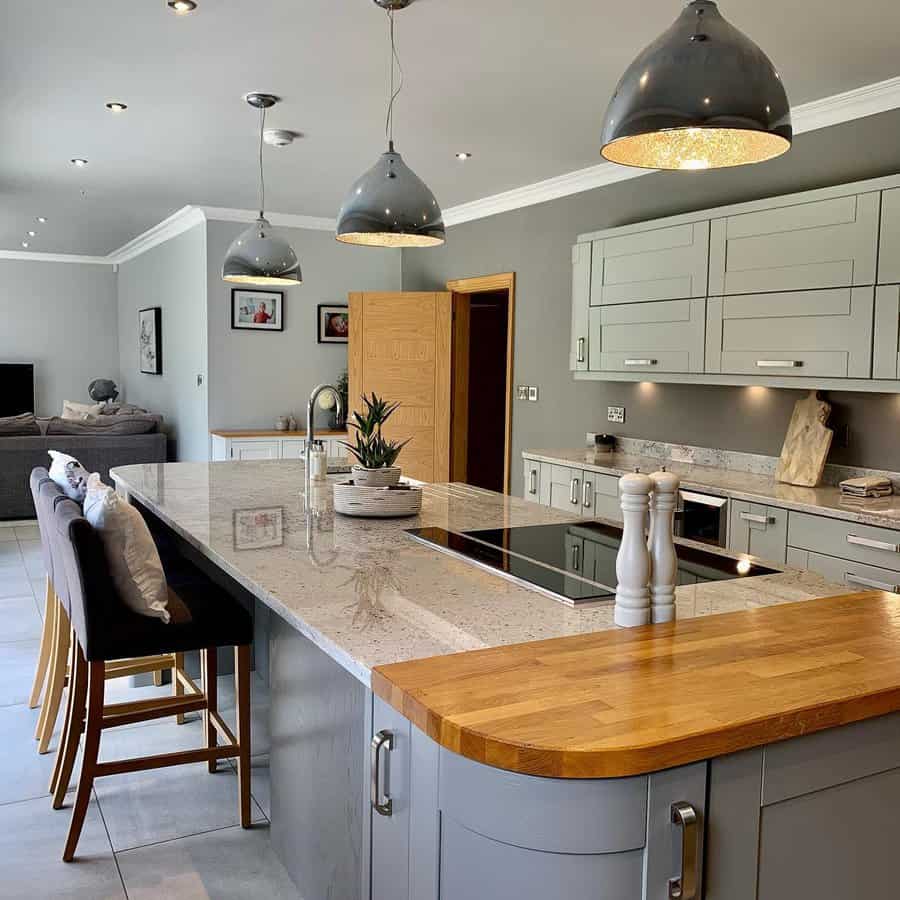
(98, 444)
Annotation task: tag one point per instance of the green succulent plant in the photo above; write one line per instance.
(371, 449)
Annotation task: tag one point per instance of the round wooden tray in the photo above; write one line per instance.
(376, 502)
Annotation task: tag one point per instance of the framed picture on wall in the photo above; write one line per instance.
(150, 340)
(257, 310)
(334, 324)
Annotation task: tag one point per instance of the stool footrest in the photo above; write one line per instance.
(162, 760)
(142, 710)
(139, 665)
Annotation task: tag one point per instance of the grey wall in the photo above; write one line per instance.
(535, 243)
(62, 318)
(257, 376)
(171, 275)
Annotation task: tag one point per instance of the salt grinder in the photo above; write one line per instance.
(633, 560)
(661, 546)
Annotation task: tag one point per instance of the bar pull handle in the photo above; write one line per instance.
(381, 802)
(532, 483)
(640, 362)
(779, 363)
(872, 545)
(586, 494)
(573, 491)
(759, 520)
(576, 558)
(684, 887)
(850, 578)
(579, 357)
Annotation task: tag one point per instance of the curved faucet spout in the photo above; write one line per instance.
(310, 430)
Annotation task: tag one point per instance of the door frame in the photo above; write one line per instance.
(483, 284)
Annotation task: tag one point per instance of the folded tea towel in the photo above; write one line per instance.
(867, 486)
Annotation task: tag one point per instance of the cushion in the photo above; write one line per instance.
(69, 474)
(24, 424)
(104, 425)
(74, 410)
(121, 409)
(134, 563)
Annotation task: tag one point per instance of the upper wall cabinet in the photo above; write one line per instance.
(886, 353)
(668, 263)
(821, 244)
(581, 298)
(889, 245)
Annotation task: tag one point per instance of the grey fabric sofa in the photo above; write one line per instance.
(19, 454)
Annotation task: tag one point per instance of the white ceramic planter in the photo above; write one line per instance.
(377, 502)
(384, 477)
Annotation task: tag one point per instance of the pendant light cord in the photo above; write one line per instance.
(262, 177)
(395, 60)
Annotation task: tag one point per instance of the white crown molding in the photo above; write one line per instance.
(281, 220)
(54, 257)
(186, 218)
(868, 100)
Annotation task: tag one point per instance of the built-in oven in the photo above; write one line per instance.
(702, 517)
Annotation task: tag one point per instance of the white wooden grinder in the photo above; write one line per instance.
(661, 546)
(633, 559)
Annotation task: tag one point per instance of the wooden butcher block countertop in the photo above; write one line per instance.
(631, 701)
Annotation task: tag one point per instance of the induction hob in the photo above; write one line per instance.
(574, 562)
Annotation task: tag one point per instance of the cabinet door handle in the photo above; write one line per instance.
(586, 494)
(579, 357)
(640, 362)
(759, 520)
(532, 483)
(684, 887)
(850, 578)
(381, 803)
(576, 558)
(779, 363)
(873, 545)
(573, 491)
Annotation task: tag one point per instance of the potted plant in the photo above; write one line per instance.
(376, 455)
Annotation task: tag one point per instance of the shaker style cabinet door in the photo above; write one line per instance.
(564, 489)
(758, 530)
(889, 243)
(666, 336)
(532, 480)
(805, 333)
(886, 352)
(245, 450)
(581, 299)
(668, 263)
(820, 244)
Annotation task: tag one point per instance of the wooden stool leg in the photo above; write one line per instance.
(177, 686)
(56, 683)
(208, 669)
(242, 690)
(96, 683)
(68, 746)
(157, 678)
(40, 673)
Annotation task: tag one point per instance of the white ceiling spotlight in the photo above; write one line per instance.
(115, 106)
(182, 7)
(42, 219)
(463, 155)
(279, 137)
(32, 233)
(25, 244)
(78, 163)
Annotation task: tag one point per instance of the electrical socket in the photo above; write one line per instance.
(615, 414)
(533, 394)
(522, 391)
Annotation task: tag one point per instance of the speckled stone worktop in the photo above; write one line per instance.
(825, 500)
(364, 591)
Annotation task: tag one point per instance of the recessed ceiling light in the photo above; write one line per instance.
(80, 163)
(116, 107)
(32, 233)
(42, 219)
(24, 243)
(462, 155)
(182, 7)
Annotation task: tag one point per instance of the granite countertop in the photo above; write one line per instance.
(825, 500)
(364, 591)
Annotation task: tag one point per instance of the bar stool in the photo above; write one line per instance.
(105, 631)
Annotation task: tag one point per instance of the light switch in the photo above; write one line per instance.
(522, 391)
(533, 394)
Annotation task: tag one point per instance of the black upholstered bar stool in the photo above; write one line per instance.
(204, 617)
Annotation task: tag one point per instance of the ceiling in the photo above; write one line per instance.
(521, 86)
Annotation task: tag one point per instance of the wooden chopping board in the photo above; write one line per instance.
(806, 443)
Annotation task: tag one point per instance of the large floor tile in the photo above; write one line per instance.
(11, 555)
(33, 557)
(7, 533)
(24, 773)
(17, 663)
(28, 532)
(19, 619)
(259, 710)
(233, 863)
(32, 836)
(15, 583)
(162, 804)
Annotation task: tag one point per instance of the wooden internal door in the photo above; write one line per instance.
(400, 347)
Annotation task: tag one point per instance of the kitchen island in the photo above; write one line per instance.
(474, 793)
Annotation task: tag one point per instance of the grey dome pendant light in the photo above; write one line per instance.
(390, 206)
(701, 96)
(259, 255)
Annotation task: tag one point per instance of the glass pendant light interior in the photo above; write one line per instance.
(259, 255)
(702, 96)
(390, 206)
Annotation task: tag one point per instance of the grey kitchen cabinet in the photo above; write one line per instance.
(819, 244)
(532, 480)
(758, 530)
(666, 263)
(825, 333)
(886, 350)
(581, 299)
(662, 336)
(889, 239)
(570, 489)
(866, 544)
(564, 489)
(856, 575)
(601, 496)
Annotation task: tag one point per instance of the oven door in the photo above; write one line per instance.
(702, 517)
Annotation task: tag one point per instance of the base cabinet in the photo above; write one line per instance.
(583, 493)
(292, 446)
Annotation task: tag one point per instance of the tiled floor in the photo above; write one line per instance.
(169, 833)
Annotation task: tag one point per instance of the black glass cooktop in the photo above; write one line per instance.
(575, 561)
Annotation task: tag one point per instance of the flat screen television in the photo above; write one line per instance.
(16, 388)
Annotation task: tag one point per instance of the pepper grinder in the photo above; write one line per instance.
(661, 546)
(633, 560)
